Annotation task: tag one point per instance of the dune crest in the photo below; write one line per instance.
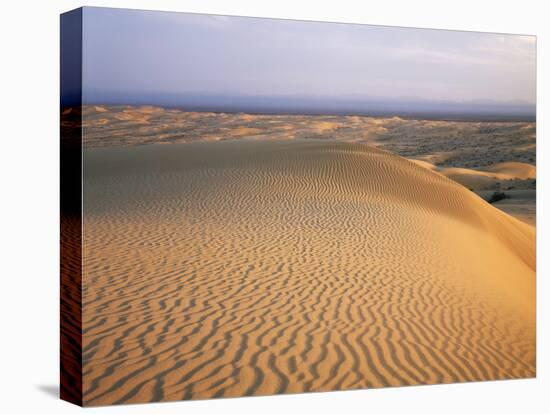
(482, 178)
(260, 267)
(513, 170)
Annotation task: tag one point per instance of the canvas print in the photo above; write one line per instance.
(257, 206)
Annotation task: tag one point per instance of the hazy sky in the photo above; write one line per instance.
(175, 53)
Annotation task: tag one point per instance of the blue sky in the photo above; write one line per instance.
(154, 54)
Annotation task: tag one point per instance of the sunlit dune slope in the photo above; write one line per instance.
(485, 177)
(513, 170)
(260, 267)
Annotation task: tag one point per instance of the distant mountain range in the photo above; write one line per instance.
(404, 107)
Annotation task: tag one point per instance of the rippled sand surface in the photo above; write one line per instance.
(221, 269)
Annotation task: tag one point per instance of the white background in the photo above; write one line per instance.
(29, 194)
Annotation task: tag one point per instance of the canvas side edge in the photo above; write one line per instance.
(71, 207)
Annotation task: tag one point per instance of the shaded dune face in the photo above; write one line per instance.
(261, 267)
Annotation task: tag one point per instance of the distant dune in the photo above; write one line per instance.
(259, 267)
(454, 143)
(464, 151)
(513, 170)
(478, 179)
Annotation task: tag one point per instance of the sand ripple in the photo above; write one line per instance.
(249, 268)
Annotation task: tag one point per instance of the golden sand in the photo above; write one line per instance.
(480, 178)
(249, 268)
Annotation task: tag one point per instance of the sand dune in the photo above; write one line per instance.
(513, 170)
(249, 268)
(478, 179)
(500, 171)
(467, 144)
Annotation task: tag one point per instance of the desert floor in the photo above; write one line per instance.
(251, 267)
